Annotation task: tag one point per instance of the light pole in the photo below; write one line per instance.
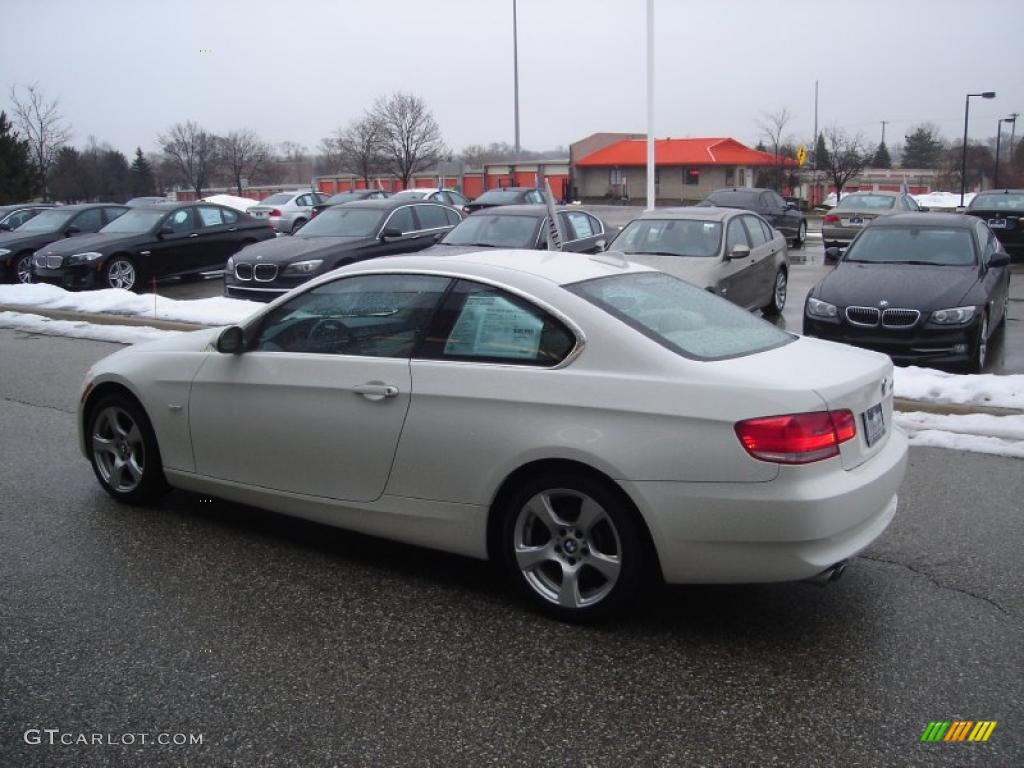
(515, 69)
(963, 152)
(651, 170)
(999, 135)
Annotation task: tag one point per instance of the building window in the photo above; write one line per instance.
(730, 177)
(742, 180)
(657, 175)
(615, 176)
(691, 176)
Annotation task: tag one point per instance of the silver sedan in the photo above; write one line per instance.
(287, 211)
(733, 253)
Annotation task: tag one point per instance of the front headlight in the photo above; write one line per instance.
(816, 308)
(83, 258)
(303, 267)
(4, 251)
(230, 266)
(953, 316)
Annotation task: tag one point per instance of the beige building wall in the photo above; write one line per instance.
(598, 182)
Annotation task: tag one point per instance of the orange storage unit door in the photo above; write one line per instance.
(559, 185)
(526, 179)
(472, 186)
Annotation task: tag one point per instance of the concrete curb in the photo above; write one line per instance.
(899, 403)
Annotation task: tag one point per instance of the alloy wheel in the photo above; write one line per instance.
(118, 448)
(981, 355)
(121, 274)
(781, 287)
(801, 233)
(23, 269)
(567, 548)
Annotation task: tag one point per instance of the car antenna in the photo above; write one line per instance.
(614, 258)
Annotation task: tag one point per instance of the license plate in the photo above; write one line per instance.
(874, 424)
(856, 220)
(997, 223)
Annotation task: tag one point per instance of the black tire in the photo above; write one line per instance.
(610, 539)
(121, 272)
(297, 225)
(801, 236)
(979, 351)
(21, 268)
(780, 288)
(123, 450)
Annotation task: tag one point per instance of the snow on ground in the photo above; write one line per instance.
(123, 334)
(218, 310)
(930, 385)
(238, 203)
(976, 432)
(943, 200)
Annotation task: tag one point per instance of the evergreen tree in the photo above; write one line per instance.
(820, 152)
(923, 148)
(17, 178)
(141, 182)
(881, 158)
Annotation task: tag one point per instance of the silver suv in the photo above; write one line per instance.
(287, 211)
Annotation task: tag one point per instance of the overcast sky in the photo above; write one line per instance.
(125, 71)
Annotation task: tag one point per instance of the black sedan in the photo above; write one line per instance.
(340, 235)
(525, 226)
(767, 203)
(505, 196)
(165, 240)
(1004, 211)
(17, 247)
(349, 197)
(922, 287)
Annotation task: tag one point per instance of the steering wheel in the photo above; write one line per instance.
(332, 331)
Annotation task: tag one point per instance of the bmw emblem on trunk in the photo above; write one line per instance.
(883, 303)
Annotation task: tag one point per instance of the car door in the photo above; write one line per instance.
(173, 251)
(738, 276)
(582, 232)
(432, 223)
(315, 406)
(86, 222)
(218, 239)
(763, 250)
(996, 280)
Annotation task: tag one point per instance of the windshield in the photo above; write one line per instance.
(342, 221)
(279, 199)
(47, 221)
(412, 194)
(866, 202)
(345, 197)
(134, 222)
(495, 230)
(940, 246)
(686, 319)
(498, 197)
(1000, 202)
(670, 237)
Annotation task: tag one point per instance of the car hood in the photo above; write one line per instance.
(283, 250)
(17, 240)
(908, 285)
(697, 270)
(94, 242)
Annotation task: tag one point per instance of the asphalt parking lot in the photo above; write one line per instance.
(283, 643)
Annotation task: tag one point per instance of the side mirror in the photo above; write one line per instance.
(832, 255)
(166, 229)
(601, 244)
(999, 259)
(72, 230)
(5, 227)
(961, 209)
(231, 341)
(739, 252)
(390, 233)
(791, 206)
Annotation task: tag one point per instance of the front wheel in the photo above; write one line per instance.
(123, 451)
(801, 235)
(121, 272)
(23, 268)
(573, 547)
(979, 355)
(779, 291)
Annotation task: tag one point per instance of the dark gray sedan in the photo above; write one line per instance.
(735, 254)
(525, 226)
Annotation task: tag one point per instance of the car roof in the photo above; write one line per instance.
(695, 212)
(1001, 192)
(390, 203)
(926, 219)
(880, 193)
(559, 267)
(532, 209)
(511, 189)
(86, 206)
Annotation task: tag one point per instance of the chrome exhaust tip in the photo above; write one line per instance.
(832, 573)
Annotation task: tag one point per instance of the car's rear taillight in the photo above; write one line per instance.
(313, 212)
(830, 218)
(275, 212)
(797, 438)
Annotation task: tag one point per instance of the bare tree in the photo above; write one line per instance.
(43, 126)
(360, 147)
(193, 151)
(411, 138)
(773, 126)
(845, 157)
(243, 154)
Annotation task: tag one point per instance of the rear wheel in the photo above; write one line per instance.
(573, 546)
(801, 235)
(123, 451)
(298, 225)
(979, 355)
(779, 290)
(23, 268)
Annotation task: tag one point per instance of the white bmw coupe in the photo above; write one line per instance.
(588, 422)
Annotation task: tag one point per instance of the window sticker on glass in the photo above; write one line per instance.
(492, 326)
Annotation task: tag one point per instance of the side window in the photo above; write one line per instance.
(777, 200)
(89, 221)
(402, 220)
(991, 245)
(533, 196)
(229, 216)
(431, 216)
(109, 214)
(457, 199)
(180, 221)
(480, 323)
(210, 216)
(912, 203)
(581, 225)
(17, 219)
(452, 217)
(303, 200)
(735, 234)
(757, 233)
(368, 315)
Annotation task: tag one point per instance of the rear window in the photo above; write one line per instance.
(1000, 202)
(278, 199)
(731, 199)
(687, 320)
(499, 197)
(866, 202)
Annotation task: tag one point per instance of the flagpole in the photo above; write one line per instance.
(650, 105)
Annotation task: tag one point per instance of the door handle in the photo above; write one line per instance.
(232, 229)
(375, 390)
(194, 234)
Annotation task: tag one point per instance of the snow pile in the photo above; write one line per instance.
(975, 432)
(238, 203)
(218, 310)
(929, 385)
(123, 334)
(947, 201)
